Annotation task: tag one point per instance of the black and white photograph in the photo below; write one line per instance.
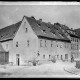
(39, 39)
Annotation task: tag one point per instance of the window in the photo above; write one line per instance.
(43, 56)
(71, 46)
(57, 56)
(16, 44)
(26, 29)
(6, 46)
(51, 44)
(49, 56)
(77, 47)
(66, 56)
(57, 45)
(77, 40)
(73, 39)
(28, 43)
(40, 43)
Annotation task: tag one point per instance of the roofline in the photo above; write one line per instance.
(6, 40)
(43, 37)
(74, 36)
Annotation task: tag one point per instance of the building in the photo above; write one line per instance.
(31, 38)
(75, 40)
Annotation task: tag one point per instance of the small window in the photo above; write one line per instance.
(44, 30)
(6, 46)
(57, 56)
(65, 45)
(77, 40)
(57, 45)
(73, 39)
(16, 44)
(39, 24)
(51, 44)
(40, 43)
(66, 56)
(49, 56)
(43, 56)
(77, 47)
(28, 43)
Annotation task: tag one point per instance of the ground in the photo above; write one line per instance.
(58, 69)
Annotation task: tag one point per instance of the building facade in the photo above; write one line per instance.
(31, 38)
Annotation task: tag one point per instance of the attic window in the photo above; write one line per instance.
(6, 34)
(44, 30)
(39, 24)
(1, 36)
(14, 31)
(48, 27)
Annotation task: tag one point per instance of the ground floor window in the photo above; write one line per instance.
(49, 56)
(43, 56)
(66, 56)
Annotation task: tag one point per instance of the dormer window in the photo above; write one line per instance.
(1, 36)
(39, 24)
(44, 30)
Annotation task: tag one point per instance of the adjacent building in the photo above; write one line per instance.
(74, 38)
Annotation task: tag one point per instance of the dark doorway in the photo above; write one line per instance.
(18, 59)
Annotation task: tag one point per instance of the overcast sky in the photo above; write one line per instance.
(64, 14)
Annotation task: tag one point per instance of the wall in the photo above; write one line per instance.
(58, 48)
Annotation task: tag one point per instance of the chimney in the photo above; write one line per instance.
(33, 17)
(40, 20)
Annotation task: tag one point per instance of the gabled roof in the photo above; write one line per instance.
(45, 29)
(67, 30)
(40, 28)
(9, 32)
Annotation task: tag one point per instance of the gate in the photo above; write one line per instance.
(4, 58)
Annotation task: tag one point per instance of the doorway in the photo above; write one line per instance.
(18, 59)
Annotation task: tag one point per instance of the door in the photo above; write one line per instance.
(18, 59)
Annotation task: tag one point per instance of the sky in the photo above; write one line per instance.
(68, 15)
